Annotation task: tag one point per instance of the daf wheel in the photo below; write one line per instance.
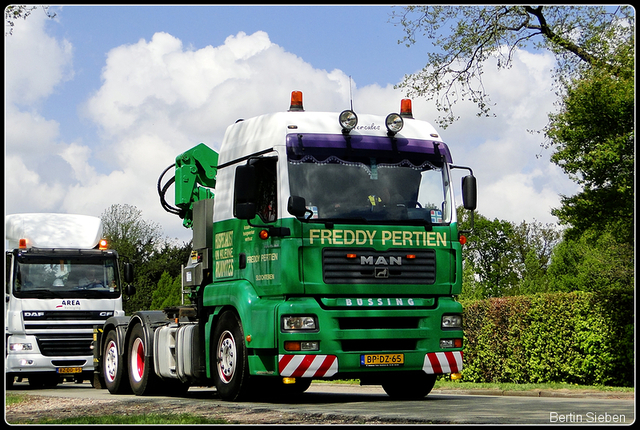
(231, 369)
(409, 388)
(142, 378)
(113, 369)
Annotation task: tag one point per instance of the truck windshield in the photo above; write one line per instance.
(66, 277)
(384, 187)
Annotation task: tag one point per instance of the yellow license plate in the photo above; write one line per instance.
(66, 370)
(377, 360)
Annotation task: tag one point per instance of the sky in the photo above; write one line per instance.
(101, 99)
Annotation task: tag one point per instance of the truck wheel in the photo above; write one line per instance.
(113, 370)
(414, 388)
(231, 374)
(142, 378)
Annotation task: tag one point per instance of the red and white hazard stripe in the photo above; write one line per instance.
(443, 362)
(307, 366)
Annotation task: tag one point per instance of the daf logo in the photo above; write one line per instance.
(33, 314)
(380, 261)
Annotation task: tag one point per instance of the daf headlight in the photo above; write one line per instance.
(18, 347)
(299, 322)
(452, 322)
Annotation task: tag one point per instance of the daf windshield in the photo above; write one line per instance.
(362, 186)
(38, 276)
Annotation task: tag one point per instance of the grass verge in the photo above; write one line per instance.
(445, 384)
(137, 419)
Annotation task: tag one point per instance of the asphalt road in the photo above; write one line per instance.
(370, 403)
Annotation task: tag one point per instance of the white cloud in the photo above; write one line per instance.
(516, 180)
(26, 191)
(35, 63)
(159, 98)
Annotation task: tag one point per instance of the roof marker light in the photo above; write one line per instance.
(22, 244)
(296, 102)
(405, 108)
(102, 244)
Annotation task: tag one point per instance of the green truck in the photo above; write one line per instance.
(325, 246)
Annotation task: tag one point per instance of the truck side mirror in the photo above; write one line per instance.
(469, 192)
(297, 206)
(127, 269)
(128, 272)
(244, 200)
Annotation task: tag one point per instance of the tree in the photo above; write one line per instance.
(595, 261)
(168, 293)
(533, 245)
(593, 138)
(21, 11)
(136, 242)
(489, 255)
(577, 35)
(133, 237)
(505, 259)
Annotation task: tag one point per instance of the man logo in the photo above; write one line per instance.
(380, 261)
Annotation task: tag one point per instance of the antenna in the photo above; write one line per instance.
(350, 95)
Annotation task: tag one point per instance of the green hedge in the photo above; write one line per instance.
(579, 337)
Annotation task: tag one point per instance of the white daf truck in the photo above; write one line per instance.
(61, 280)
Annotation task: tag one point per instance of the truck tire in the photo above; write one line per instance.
(113, 369)
(142, 378)
(231, 368)
(409, 388)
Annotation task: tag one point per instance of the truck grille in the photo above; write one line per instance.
(52, 330)
(52, 345)
(367, 266)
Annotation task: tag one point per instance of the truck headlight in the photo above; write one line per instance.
(17, 347)
(451, 321)
(394, 123)
(299, 322)
(348, 120)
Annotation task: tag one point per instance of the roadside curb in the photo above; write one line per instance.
(537, 393)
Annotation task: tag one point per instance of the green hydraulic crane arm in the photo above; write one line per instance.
(195, 177)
